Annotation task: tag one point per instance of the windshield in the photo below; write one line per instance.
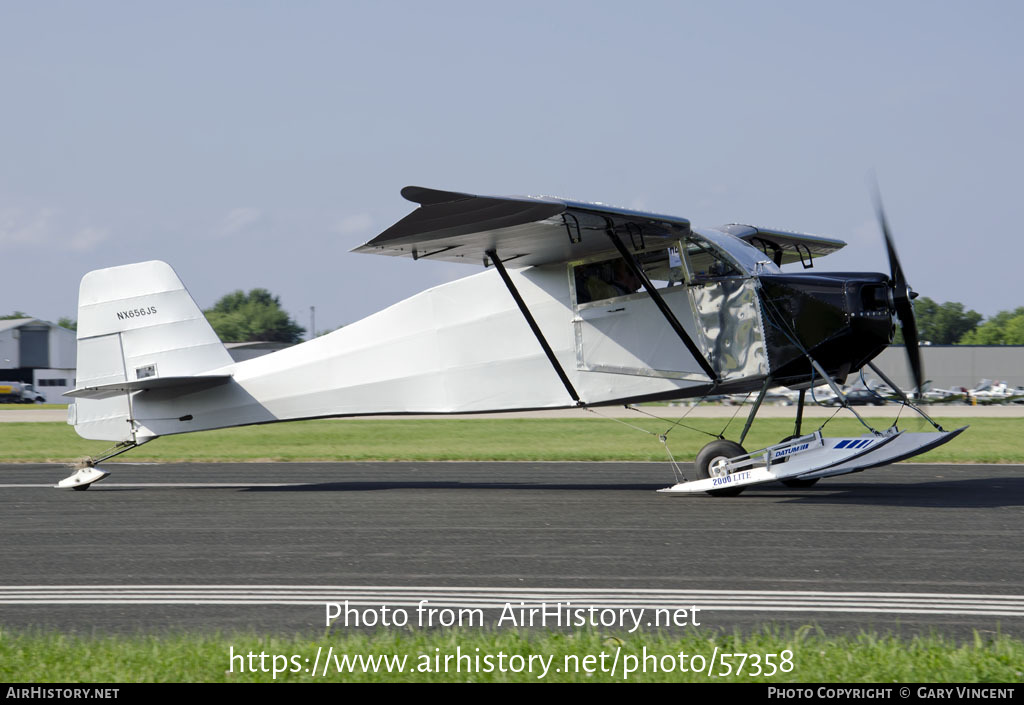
(708, 262)
(742, 255)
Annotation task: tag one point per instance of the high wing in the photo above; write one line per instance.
(530, 230)
(785, 246)
(522, 230)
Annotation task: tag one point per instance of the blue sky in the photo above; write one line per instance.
(253, 144)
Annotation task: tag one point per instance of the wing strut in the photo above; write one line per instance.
(639, 273)
(493, 255)
(754, 409)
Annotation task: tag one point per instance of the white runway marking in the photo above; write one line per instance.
(497, 598)
(177, 484)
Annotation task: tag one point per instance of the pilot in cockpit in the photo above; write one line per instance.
(605, 280)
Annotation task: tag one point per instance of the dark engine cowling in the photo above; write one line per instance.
(841, 319)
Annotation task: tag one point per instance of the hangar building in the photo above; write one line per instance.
(954, 366)
(40, 353)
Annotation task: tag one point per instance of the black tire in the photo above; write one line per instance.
(81, 488)
(712, 453)
(795, 483)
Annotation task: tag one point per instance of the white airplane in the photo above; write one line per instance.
(989, 392)
(578, 305)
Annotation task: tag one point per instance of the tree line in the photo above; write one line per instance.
(949, 324)
(238, 317)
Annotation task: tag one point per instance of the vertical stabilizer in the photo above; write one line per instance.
(135, 322)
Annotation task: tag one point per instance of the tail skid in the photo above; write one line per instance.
(82, 479)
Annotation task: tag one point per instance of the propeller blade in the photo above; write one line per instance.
(902, 298)
(905, 312)
(895, 270)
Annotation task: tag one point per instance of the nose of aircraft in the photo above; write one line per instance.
(842, 320)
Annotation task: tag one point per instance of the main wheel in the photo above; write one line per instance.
(710, 461)
(794, 482)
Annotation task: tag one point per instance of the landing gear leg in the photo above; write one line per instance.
(794, 482)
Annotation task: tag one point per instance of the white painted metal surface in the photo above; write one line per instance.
(460, 347)
(82, 478)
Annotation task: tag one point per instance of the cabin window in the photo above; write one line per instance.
(664, 267)
(612, 278)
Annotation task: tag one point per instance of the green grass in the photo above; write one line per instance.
(989, 440)
(815, 657)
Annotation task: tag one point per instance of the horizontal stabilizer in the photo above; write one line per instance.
(184, 384)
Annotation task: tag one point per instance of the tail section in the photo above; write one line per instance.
(138, 328)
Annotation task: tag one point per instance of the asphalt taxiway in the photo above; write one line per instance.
(907, 549)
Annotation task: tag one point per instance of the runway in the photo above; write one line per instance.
(907, 549)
